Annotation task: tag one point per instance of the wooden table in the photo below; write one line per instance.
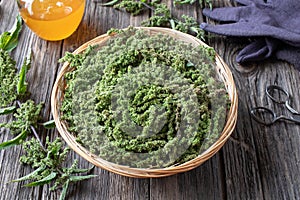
(257, 162)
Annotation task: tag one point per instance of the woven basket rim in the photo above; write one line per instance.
(228, 80)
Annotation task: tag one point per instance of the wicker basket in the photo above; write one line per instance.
(222, 68)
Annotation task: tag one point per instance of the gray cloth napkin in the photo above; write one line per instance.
(275, 24)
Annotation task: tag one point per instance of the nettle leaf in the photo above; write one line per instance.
(64, 190)
(43, 181)
(7, 110)
(31, 175)
(49, 124)
(172, 24)
(110, 3)
(22, 85)
(80, 178)
(9, 39)
(15, 141)
(82, 170)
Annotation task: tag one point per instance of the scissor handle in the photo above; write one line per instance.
(267, 117)
(285, 100)
(270, 92)
(263, 115)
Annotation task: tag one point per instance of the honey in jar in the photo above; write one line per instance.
(52, 19)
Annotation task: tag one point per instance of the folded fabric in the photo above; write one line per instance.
(263, 48)
(276, 24)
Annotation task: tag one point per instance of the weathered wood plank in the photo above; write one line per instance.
(240, 159)
(10, 167)
(278, 146)
(257, 162)
(260, 162)
(204, 182)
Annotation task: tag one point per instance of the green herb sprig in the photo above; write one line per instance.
(13, 90)
(47, 161)
(131, 6)
(201, 2)
(48, 164)
(162, 16)
(26, 118)
(9, 39)
(8, 78)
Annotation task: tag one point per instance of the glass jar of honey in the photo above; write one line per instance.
(52, 19)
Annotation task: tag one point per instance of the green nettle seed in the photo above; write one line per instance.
(8, 79)
(162, 15)
(47, 161)
(48, 164)
(26, 116)
(145, 101)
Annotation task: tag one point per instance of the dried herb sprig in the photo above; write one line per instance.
(49, 166)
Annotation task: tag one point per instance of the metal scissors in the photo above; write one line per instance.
(267, 116)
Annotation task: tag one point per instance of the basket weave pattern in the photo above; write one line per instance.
(224, 72)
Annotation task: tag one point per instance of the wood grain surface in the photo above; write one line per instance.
(257, 162)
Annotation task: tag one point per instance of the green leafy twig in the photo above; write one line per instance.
(49, 124)
(26, 117)
(8, 79)
(187, 25)
(131, 6)
(76, 59)
(7, 110)
(48, 164)
(32, 126)
(201, 2)
(48, 160)
(11, 84)
(9, 39)
(162, 16)
(22, 85)
(13, 88)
